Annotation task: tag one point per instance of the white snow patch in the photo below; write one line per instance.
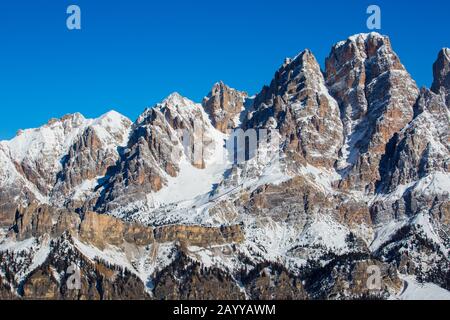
(385, 233)
(84, 189)
(327, 232)
(434, 184)
(413, 290)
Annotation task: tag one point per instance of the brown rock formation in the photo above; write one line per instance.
(92, 154)
(376, 97)
(441, 72)
(101, 230)
(297, 103)
(224, 106)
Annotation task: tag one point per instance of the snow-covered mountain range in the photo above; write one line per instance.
(358, 180)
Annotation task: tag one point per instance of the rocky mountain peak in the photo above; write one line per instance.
(71, 118)
(441, 72)
(113, 128)
(304, 66)
(176, 100)
(376, 97)
(367, 54)
(113, 117)
(298, 104)
(37, 153)
(175, 103)
(224, 106)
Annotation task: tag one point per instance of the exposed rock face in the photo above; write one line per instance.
(7, 209)
(66, 222)
(376, 97)
(37, 220)
(101, 230)
(12, 186)
(298, 104)
(90, 157)
(33, 221)
(41, 286)
(36, 153)
(296, 202)
(423, 146)
(441, 72)
(224, 105)
(161, 138)
(417, 155)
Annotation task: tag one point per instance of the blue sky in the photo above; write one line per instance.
(131, 54)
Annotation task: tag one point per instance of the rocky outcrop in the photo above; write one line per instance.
(298, 104)
(423, 147)
(441, 72)
(37, 220)
(224, 106)
(417, 165)
(36, 153)
(7, 210)
(41, 285)
(295, 201)
(14, 189)
(376, 96)
(90, 157)
(102, 230)
(33, 221)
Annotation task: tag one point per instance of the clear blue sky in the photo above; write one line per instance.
(131, 54)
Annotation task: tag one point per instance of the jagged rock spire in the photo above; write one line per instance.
(441, 73)
(224, 105)
(298, 104)
(376, 97)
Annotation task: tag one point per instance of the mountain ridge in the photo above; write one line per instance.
(356, 175)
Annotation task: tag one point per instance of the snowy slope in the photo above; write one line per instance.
(413, 290)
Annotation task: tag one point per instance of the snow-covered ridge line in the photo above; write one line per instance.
(111, 115)
(447, 53)
(362, 36)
